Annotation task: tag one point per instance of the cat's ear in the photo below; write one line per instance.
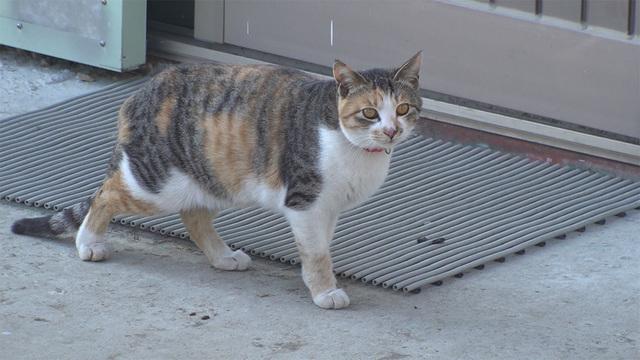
(347, 78)
(410, 71)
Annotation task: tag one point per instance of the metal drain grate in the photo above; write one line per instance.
(444, 208)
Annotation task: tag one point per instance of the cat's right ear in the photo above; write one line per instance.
(347, 78)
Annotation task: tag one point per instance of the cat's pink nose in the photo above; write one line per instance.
(390, 132)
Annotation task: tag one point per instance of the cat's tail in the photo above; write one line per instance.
(63, 223)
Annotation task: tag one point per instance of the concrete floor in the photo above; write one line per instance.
(577, 298)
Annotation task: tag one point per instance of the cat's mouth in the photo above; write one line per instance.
(372, 143)
(380, 147)
(376, 146)
(389, 143)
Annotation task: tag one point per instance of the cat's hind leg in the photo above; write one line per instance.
(199, 224)
(113, 198)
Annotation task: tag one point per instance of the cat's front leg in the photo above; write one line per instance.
(313, 231)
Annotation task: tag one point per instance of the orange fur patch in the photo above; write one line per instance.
(351, 107)
(229, 146)
(124, 131)
(114, 199)
(275, 140)
(198, 223)
(163, 119)
(319, 271)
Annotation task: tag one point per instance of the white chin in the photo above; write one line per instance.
(353, 141)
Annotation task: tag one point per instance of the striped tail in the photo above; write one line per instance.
(63, 223)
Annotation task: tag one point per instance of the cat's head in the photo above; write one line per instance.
(378, 108)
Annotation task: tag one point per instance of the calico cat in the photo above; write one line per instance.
(197, 139)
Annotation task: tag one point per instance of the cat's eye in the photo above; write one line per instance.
(370, 113)
(402, 109)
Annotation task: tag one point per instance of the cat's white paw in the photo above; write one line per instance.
(332, 299)
(94, 251)
(91, 246)
(236, 260)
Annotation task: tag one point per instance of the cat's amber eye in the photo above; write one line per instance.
(370, 113)
(402, 109)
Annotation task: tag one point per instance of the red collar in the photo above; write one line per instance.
(375, 150)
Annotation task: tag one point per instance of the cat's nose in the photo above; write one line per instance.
(390, 132)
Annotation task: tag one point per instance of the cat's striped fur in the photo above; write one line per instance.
(200, 138)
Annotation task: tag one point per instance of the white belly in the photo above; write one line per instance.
(181, 192)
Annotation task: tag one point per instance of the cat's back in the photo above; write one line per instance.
(188, 80)
(222, 126)
(182, 93)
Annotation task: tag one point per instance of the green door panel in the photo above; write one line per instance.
(110, 34)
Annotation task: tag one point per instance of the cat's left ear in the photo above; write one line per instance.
(347, 78)
(410, 71)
